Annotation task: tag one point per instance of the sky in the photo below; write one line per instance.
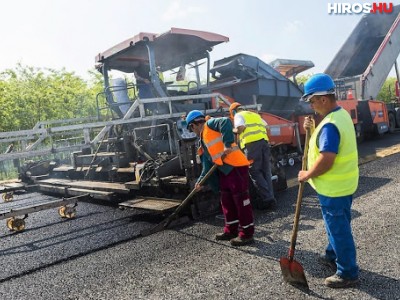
(70, 33)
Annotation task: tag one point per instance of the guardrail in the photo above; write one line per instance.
(50, 137)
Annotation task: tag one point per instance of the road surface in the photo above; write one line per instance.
(98, 255)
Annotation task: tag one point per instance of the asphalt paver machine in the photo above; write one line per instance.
(141, 155)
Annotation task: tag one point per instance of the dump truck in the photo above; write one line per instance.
(360, 69)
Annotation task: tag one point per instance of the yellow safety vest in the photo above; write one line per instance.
(342, 178)
(255, 128)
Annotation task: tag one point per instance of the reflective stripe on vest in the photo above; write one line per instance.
(255, 128)
(213, 141)
(342, 178)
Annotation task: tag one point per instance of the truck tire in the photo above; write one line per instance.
(398, 117)
(359, 133)
(392, 123)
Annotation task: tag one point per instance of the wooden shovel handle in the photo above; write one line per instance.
(299, 199)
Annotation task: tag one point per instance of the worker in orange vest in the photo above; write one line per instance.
(218, 147)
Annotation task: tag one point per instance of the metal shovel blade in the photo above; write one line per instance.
(293, 272)
(164, 224)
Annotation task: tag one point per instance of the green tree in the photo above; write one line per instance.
(388, 90)
(29, 95)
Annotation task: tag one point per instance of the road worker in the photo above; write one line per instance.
(253, 139)
(217, 147)
(333, 172)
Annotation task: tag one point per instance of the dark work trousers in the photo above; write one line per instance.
(260, 169)
(235, 202)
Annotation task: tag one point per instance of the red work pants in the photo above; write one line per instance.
(235, 202)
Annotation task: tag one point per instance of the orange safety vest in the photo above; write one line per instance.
(213, 141)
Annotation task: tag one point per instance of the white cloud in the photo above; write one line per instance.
(293, 27)
(178, 11)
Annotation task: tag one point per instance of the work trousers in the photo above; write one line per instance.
(235, 202)
(336, 212)
(260, 170)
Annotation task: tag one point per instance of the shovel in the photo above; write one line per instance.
(292, 270)
(164, 224)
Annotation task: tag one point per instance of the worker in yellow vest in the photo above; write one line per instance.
(218, 147)
(333, 172)
(253, 139)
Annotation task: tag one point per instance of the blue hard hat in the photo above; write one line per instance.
(193, 115)
(318, 84)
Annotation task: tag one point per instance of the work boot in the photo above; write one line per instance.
(335, 281)
(239, 241)
(224, 236)
(330, 263)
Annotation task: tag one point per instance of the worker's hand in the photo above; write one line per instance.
(303, 176)
(308, 123)
(227, 150)
(239, 129)
(198, 187)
